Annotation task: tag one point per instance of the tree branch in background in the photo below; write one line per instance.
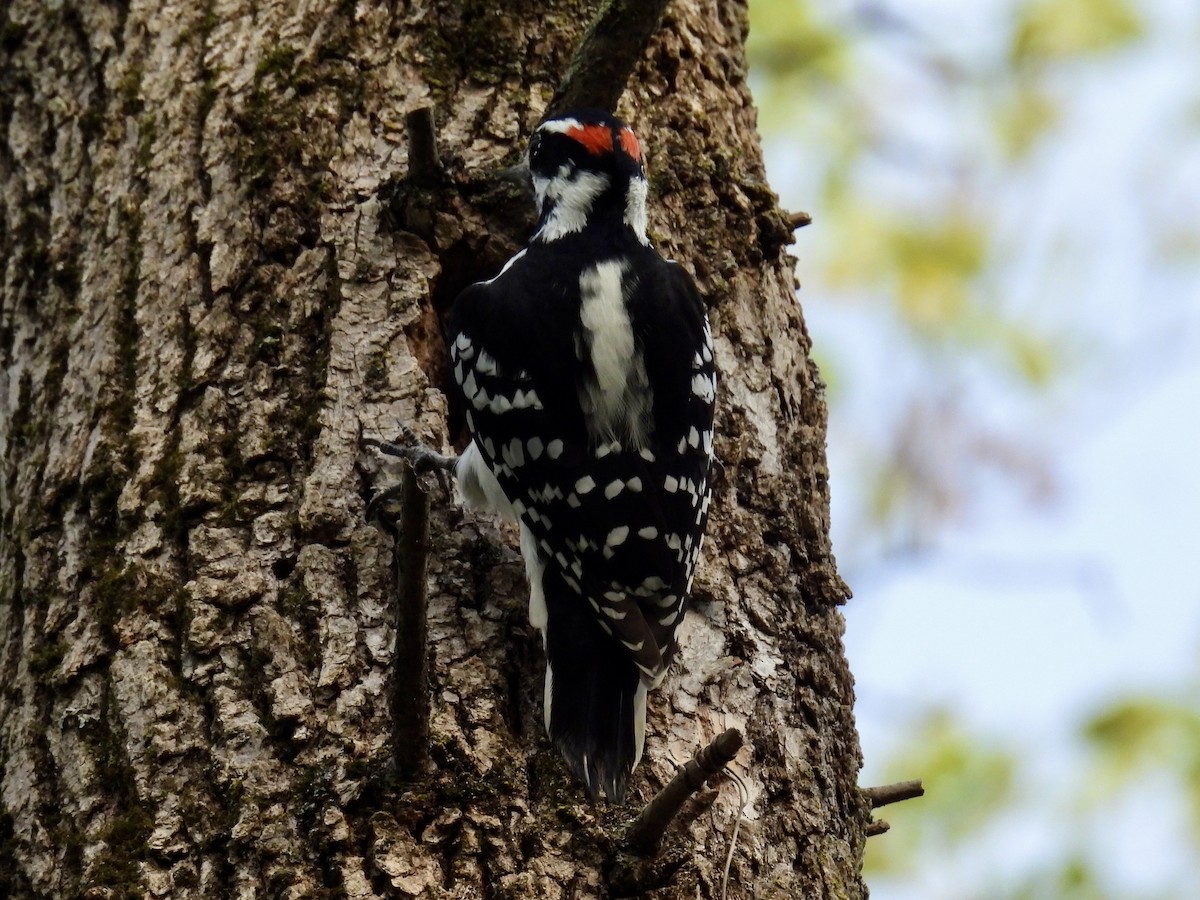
(893, 793)
(654, 819)
(615, 42)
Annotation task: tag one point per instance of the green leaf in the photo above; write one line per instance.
(1058, 30)
(787, 39)
(1026, 114)
(937, 263)
(1140, 736)
(1037, 359)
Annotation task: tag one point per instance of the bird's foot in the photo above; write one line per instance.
(421, 457)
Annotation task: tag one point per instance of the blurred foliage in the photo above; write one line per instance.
(1147, 735)
(875, 96)
(788, 39)
(1025, 113)
(927, 267)
(967, 781)
(811, 80)
(1074, 879)
(906, 142)
(1058, 30)
(979, 789)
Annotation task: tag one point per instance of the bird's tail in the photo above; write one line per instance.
(595, 702)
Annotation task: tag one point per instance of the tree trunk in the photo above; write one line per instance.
(218, 273)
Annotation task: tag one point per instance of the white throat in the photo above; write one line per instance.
(573, 193)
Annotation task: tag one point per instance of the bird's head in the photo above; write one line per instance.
(587, 170)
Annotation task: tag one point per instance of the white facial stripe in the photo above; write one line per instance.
(635, 208)
(571, 195)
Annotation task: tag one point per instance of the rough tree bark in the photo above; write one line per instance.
(217, 274)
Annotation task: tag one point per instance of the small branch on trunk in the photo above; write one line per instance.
(410, 673)
(424, 164)
(889, 793)
(798, 220)
(613, 45)
(654, 819)
(410, 534)
(893, 793)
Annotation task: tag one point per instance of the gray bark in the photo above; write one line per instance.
(216, 276)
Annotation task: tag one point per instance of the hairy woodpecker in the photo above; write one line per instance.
(586, 367)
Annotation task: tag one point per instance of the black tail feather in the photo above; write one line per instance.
(594, 713)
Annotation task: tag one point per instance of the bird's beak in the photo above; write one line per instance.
(518, 174)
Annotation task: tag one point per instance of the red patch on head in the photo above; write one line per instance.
(629, 143)
(595, 138)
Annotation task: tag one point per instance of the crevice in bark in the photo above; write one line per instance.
(14, 594)
(31, 259)
(514, 708)
(23, 441)
(319, 333)
(13, 881)
(127, 825)
(221, 847)
(54, 811)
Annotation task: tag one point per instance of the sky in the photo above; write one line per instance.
(1032, 607)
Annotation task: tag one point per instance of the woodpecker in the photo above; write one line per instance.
(586, 371)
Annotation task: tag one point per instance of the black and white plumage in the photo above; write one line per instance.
(586, 368)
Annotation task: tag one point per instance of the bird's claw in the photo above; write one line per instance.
(422, 459)
(383, 497)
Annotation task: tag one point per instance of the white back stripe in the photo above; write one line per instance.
(618, 402)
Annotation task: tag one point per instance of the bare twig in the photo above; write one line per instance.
(615, 42)
(410, 685)
(424, 164)
(652, 822)
(877, 827)
(798, 220)
(893, 793)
